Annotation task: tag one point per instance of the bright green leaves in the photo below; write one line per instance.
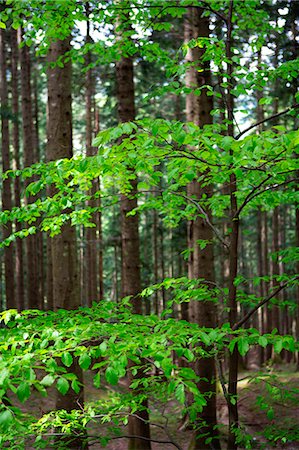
(84, 361)
(179, 393)
(67, 359)
(48, 380)
(111, 375)
(63, 385)
(23, 391)
(6, 419)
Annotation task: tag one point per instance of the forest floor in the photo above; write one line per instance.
(256, 400)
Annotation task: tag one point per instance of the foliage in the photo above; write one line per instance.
(38, 349)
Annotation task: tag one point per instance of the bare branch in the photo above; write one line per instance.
(206, 217)
(256, 124)
(254, 194)
(247, 316)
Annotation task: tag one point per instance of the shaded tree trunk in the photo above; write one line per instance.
(201, 262)
(29, 151)
(131, 280)
(6, 183)
(233, 358)
(65, 273)
(91, 272)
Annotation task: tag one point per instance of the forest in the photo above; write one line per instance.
(149, 223)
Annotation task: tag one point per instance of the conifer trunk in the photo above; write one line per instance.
(6, 183)
(65, 273)
(19, 264)
(131, 280)
(29, 151)
(201, 262)
(91, 272)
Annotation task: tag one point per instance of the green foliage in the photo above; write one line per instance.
(35, 342)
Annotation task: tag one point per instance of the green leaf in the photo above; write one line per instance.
(67, 359)
(63, 385)
(4, 374)
(278, 346)
(270, 414)
(97, 380)
(180, 393)
(84, 361)
(111, 375)
(263, 341)
(75, 386)
(243, 346)
(2, 25)
(266, 101)
(23, 392)
(48, 380)
(6, 419)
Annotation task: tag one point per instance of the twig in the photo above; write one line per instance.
(254, 194)
(256, 124)
(247, 316)
(206, 217)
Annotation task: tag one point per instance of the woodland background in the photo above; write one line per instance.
(150, 223)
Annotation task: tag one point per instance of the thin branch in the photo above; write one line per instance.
(247, 316)
(256, 124)
(157, 441)
(206, 217)
(254, 194)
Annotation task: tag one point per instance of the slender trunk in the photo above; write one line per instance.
(201, 262)
(275, 265)
(65, 273)
(131, 281)
(6, 184)
(29, 151)
(99, 215)
(233, 254)
(19, 269)
(91, 233)
(39, 236)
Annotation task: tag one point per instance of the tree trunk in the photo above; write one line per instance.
(233, 359)
(29, 151)
(65, 273)
(6, 184)
(201, 262)
(131, 281)
(91, 233)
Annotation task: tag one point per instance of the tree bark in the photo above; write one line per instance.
(201, 262)
(131, 280)
(91, 272)
(29, 151)
(233, 253)
(6, 184)
(63, 250)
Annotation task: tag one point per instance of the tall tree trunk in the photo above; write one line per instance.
(39, 237)
(233, 415)
(65, 273)
(29, 151)
(99, 215)
(131, 280)
(201, 262)
(6, 184)
(91, 233)
(19, 265)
